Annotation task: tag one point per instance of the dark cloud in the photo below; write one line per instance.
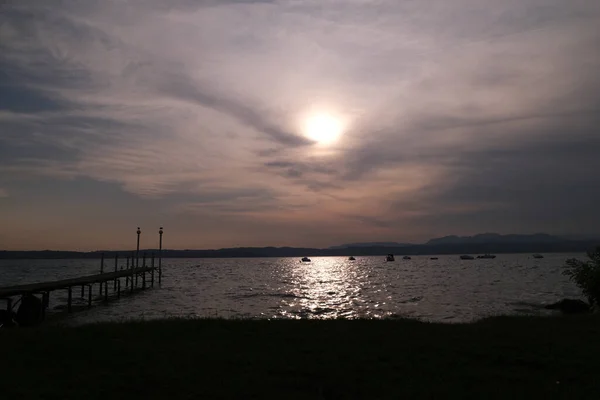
(436, 122)
(549, 183)
(308, 166)
(315, 176)
(224, 195)
(183, 88)
(280, 164)
(20, 99)
(191, 5)
(23, 60)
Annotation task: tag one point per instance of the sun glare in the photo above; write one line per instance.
(323, 128)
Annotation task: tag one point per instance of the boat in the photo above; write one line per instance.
(433, 258)
(390, 257)
(406, 258)
(466, 257)
(305, 259)
(538, 256)
(351, 258)
(487, 255)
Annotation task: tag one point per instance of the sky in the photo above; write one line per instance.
(296, 122)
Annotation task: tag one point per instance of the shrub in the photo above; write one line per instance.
(586, 275)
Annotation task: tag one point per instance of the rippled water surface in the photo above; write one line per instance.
(447, 289)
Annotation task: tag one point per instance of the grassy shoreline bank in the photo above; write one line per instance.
(501, 357)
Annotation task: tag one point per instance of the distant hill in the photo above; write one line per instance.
(371, 244)
(491, 238)
(581, 237)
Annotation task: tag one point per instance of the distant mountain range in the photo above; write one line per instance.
(496, 238)
(478, 244)
(581, 237)
(371, 244)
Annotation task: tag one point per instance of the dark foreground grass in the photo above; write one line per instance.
(507, 357)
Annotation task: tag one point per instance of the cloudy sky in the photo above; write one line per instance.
(296, 122)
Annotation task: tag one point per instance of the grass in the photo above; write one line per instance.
(503, 357)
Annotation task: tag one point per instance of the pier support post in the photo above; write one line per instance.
(144, 273)
(105, 291)
(101, 272)
(118, 288)
(70, 299)
(116, 270)
(127, 277)
(133, 271)
(89, 296)
(152, 272)
(82, 291)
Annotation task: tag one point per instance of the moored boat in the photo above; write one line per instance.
(487, 255)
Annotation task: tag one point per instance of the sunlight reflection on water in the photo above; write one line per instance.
(447, 289)
(325, 287)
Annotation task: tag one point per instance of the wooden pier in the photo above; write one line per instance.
(134, 275)
(104, 280)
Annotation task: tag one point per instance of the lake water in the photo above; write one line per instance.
(447, 289)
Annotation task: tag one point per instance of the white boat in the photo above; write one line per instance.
(305, 259)
(466, 257)
(351, 258)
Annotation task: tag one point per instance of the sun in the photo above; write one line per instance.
(323, 128)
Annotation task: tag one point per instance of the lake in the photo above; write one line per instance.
(446, 290)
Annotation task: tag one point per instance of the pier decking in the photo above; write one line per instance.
(34, 288)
